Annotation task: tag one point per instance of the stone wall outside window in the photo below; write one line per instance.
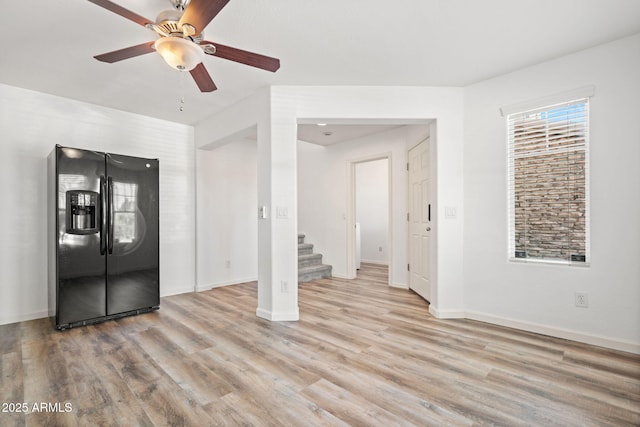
(550, 192)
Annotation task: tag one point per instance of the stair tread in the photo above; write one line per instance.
(310, 268)
(310, 265)
(308, 256)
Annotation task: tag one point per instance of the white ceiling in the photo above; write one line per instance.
(48, 46)
(329, 134)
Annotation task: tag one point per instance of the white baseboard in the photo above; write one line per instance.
(399, 285)
(174, 291)
(207, 287)
(368, 261)
(341, 276)
(446, 314)
(628, 346)
(5, 320)
(278, 317)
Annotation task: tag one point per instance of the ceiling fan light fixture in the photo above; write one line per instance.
(178, 53)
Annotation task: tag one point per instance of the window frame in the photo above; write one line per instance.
(542, 107)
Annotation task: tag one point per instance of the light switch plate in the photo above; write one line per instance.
(282, 212)
(450, 212)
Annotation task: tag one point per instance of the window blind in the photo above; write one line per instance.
(548, 190)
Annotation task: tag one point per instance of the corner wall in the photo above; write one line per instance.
(227, 215)
(540, 297)
(31, 124)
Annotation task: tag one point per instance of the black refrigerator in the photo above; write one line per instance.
(104, 236)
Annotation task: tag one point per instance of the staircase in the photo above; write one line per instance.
(310, 266)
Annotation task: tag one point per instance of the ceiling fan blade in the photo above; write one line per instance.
(244, 57)
(203, 79)
(117, 9)
(200, 12)
(126, 53)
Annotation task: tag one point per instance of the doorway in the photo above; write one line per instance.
(370, 239)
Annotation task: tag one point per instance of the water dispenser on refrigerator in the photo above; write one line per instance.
(82, 212)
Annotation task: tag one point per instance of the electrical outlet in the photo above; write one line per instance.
(284, 287)
(379, 248)
(227, 264)
(581, 299)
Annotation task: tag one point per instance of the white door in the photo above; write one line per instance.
(419, 219)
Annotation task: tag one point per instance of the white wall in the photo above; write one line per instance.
(227, 214)
(31, 123)
(541, 297)
(372, 209)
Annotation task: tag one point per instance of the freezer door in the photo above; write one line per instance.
(133, 281)
(81, 268)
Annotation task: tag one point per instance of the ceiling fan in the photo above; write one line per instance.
(181, 43)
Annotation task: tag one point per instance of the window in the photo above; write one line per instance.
(548, 155)
(125, 202)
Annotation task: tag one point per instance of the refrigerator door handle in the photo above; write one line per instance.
(103, 215)
(111, 216)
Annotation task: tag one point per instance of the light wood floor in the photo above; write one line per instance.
(362, 354)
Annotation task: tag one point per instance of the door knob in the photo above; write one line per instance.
(428, 228)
